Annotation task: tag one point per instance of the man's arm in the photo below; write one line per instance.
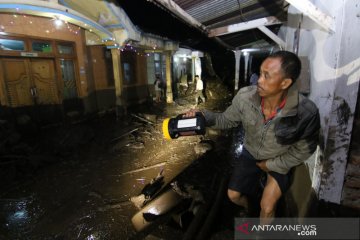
(228, 119)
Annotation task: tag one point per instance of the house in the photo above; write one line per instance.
(58, 58)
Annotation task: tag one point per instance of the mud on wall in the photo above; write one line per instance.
(335, 73)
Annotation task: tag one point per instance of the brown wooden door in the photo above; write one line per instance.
(17, 82)
(30, 81)
(44, 81)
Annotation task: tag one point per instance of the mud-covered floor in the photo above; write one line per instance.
(74, 180)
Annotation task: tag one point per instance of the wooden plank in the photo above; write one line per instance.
(313, 12)
(238, 27)
(273, 36)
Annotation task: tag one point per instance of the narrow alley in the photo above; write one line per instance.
(178, 119)
(75, 181)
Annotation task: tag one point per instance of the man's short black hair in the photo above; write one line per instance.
(290, 64)
(196, 75)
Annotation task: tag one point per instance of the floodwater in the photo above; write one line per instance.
(74, 181)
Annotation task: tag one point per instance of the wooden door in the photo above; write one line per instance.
(44, 81)
(30, 81)
(17, 82)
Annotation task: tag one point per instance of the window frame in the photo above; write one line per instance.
(51, 43)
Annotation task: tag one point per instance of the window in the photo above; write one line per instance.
(127, 72)
(65, 49)
(12, 45)
(68, 77)
(128, 61)
(157, 57)
(157, 68)
(157, 62)
(41, 46)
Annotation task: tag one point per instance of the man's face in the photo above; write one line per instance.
(271, 80)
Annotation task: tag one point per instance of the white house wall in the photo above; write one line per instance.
(335, 73)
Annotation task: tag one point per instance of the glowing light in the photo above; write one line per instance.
(91, 237)
(154, 211)
(238, 149)
(19, 214)
(30, 22)
(47, 31)
(58, 22)
(15, 16)
(184, 59)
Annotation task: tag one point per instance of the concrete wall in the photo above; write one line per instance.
(101, 71)
(136, 91)
(334, 62)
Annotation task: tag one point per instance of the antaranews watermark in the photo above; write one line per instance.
(298, 228)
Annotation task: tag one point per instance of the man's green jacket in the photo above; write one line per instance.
(285, 141)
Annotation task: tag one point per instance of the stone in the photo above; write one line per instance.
(202, 148)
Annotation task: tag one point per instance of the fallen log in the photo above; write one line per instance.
(141, 169)
(123, 135)
(143, 119)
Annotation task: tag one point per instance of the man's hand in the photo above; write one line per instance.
(262, 165)
(191, 113)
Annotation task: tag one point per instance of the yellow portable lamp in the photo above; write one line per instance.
(183, 126)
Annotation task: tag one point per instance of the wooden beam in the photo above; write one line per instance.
(181, 13)
(238, 27)
(313, 12)
(273, 36)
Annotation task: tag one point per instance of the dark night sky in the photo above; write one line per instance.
(153, 19)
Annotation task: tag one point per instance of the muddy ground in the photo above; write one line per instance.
(74, 180)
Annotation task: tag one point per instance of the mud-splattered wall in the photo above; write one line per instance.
(335, 72)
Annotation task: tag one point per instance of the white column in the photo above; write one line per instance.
(115, 53)
(237, 69)
(246, 61)
(169, 93)
(198, 66)
(192, 69)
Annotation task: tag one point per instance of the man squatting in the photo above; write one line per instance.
(281, 131)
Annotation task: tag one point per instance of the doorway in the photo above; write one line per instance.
(30, 86)
(30, 81)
